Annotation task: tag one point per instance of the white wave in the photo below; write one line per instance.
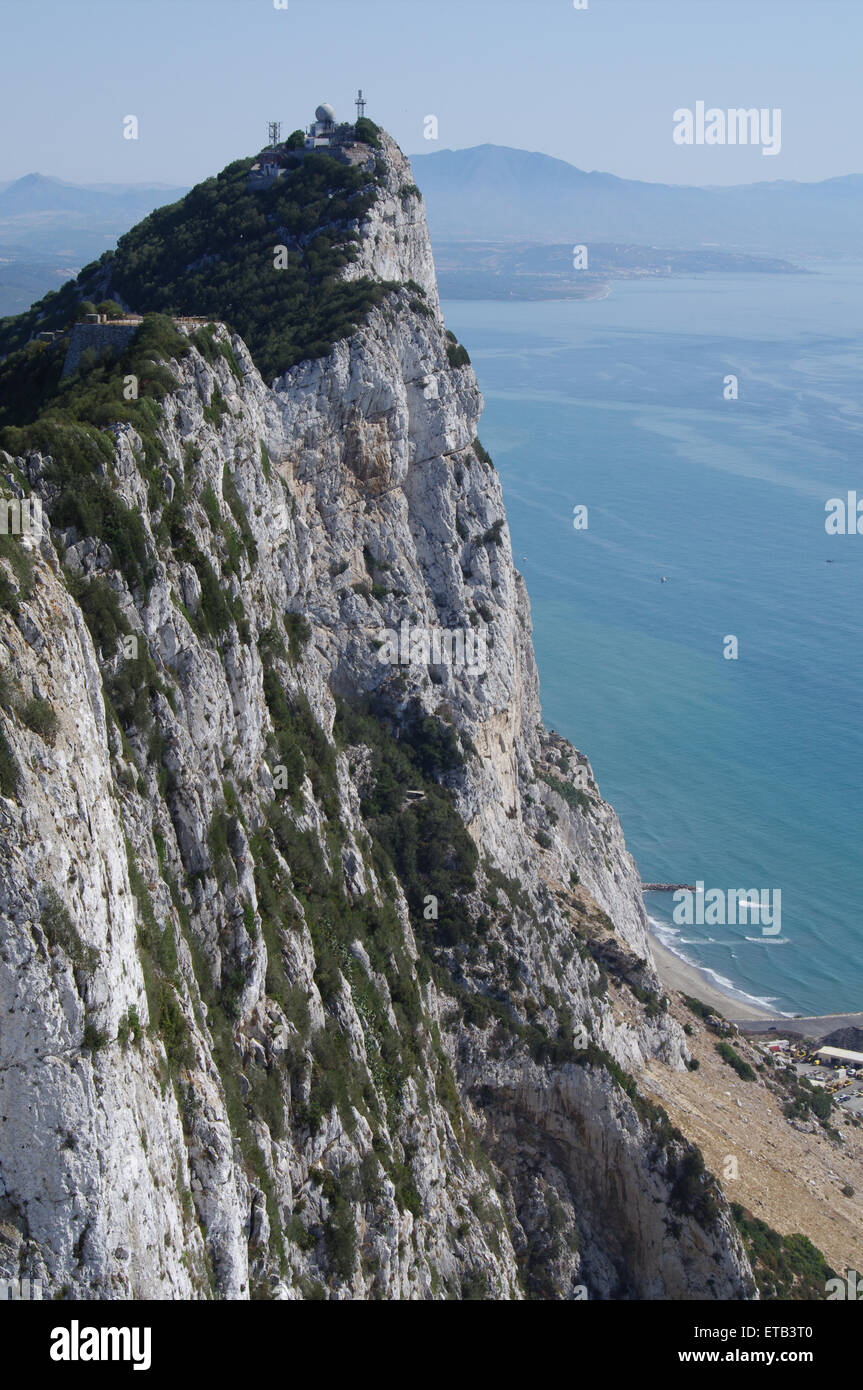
(670, 938)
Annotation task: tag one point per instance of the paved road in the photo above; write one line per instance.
(815, 1027)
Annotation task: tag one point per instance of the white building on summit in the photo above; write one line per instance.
(323, 127)
(324, 133)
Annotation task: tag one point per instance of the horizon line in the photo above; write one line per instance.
(89, 184)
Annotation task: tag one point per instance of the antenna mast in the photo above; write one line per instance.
(275, 133)
(360, 104)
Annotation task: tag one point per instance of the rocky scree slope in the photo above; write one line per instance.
(270, 1026)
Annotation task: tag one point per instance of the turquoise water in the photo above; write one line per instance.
(741, 774)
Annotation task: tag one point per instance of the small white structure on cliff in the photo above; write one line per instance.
(324, 133)
(322, 129)
(264, 173)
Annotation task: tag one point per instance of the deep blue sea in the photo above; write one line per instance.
(740, 773)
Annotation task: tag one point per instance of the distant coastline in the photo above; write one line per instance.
(525, 270)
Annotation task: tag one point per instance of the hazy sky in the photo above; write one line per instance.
(597, 87)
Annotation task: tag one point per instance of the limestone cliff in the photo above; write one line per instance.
(319, 975)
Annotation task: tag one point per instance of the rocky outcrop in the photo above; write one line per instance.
(299, 985)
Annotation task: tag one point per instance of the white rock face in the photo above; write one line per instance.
(395, 242)
(234, 1059)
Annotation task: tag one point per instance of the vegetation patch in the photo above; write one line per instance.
(157, 951)
(61, 932)
(424, 842)
(702, 1011)
(785, 1267)
(39, 716)
(730, 1055)
(300, 744)
(21, 564)
(214, 253)
(10, 773)
(457, 356)
(299, 633)
(102, 612)
(574, 797)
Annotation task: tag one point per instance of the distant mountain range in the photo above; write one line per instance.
(44, 214)
(37, 193)
(494, 193)
(50, 229)
(489, 194)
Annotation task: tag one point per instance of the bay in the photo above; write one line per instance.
(740, 773)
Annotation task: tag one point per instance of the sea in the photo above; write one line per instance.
(733, 764)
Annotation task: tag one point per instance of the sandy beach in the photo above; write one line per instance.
(677, 974)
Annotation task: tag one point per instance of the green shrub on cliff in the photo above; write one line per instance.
(456, 353)
(785, 1267)
(10, 774)
(366, 131)
(72, 429)
(39, 716)
(735, 1061)
(425, 842)
(21, 563)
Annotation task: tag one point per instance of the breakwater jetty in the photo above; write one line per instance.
(667, 887)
